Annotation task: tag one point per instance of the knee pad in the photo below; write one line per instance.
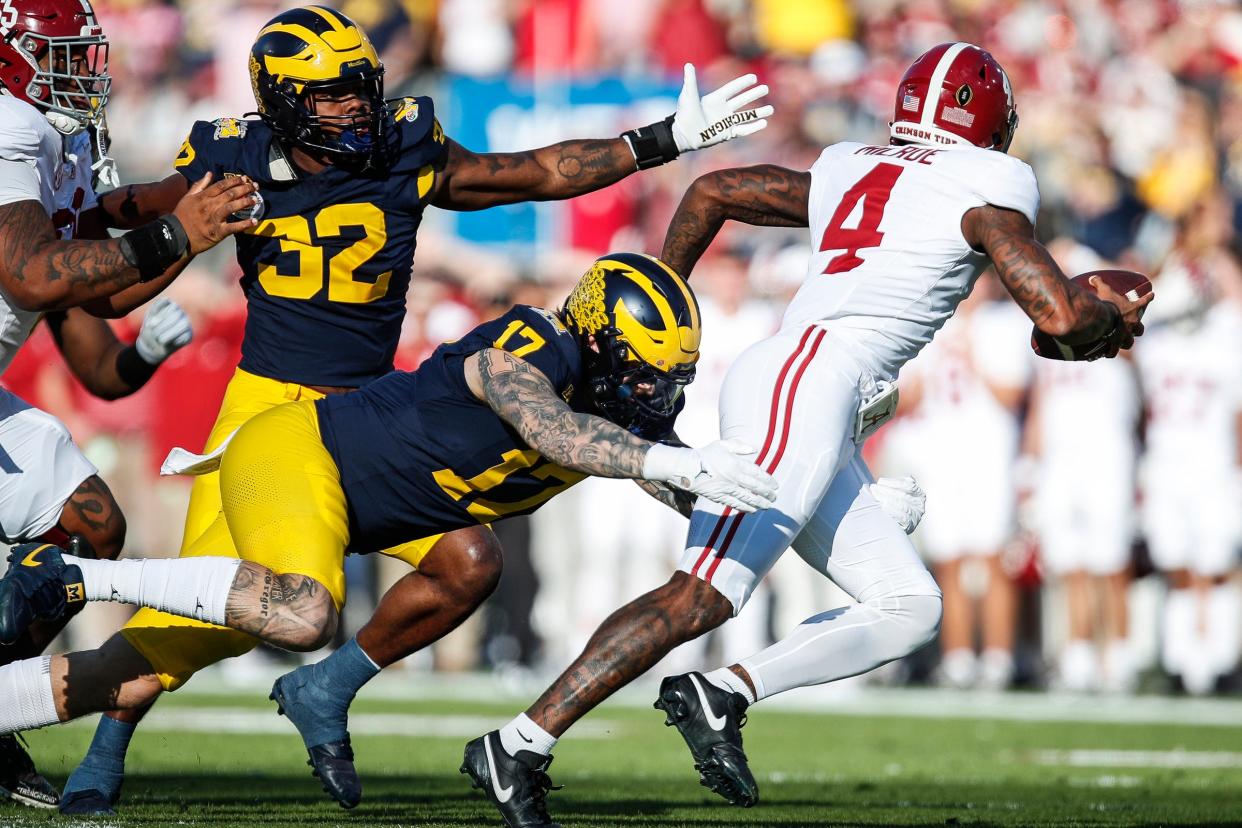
(914, 622)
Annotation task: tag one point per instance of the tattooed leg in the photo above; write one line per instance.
(629, 642)
(291, 611)
(93, 513)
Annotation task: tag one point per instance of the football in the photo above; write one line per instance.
(1132, 285)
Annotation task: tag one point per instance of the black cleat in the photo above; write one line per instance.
(87, 803)
(710, 720)
(38, 585)
(332, 763)
(19, 780)
(517, 785)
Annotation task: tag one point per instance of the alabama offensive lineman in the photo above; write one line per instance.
(55, 258)
(900, 233)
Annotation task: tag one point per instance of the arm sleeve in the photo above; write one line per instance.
(18, 182)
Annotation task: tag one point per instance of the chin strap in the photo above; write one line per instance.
(104, 168)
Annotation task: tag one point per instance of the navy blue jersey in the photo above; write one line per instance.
(326, 270)
(419, 454)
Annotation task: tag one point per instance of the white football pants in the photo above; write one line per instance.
(795, 397)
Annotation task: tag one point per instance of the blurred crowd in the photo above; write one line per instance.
(1084, 521)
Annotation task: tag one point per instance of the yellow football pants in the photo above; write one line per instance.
(277, 500)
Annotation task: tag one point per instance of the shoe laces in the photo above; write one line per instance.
(541, 784)
(737, 706)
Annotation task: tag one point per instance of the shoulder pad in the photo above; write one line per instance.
(229, 128)
(552, 319)
(22, 129)
(419, 138)
(225, 145)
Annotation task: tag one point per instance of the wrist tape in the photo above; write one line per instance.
(133, 370)
(155, 247)
(653, 144)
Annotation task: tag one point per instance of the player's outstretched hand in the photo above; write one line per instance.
(165, 330)
(902, 499)
(206, 210)
(1131, 315)
(719, 471)
(717, 116)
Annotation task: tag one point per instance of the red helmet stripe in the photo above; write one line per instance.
(932, 104)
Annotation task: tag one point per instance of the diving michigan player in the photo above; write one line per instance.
(345, 177)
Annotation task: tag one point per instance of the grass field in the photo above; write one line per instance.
(188, 768)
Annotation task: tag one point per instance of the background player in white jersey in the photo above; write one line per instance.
(54, 256)
(964, 391)
(1080, 433)
(900, 234)
(1191, 472)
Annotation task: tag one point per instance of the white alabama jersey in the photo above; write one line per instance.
(889, 263)
(1193, 383)
(1086, 409)
(38, 163)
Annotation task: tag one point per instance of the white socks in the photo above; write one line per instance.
(26, 688)
(195, 588)
(726, 679)
(523, 734)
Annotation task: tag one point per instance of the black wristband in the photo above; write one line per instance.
(155, 247)
(133, 370)
(653, 144)
(1112, 337)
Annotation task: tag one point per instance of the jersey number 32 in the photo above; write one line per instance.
(294, 233)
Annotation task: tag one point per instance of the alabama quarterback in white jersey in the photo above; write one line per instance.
(54, 257)
(899, 235)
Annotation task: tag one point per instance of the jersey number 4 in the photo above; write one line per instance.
(873, 189)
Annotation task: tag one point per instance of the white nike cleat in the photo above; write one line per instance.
(516, 785)
(710, 719)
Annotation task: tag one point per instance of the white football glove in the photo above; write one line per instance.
(718, 472)
(901, 499)
(717, 116)
(165, 329)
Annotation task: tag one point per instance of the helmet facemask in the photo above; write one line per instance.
(629, 392)
(292, 109)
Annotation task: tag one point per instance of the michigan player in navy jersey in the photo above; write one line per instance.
(345, 177)
(488, 427)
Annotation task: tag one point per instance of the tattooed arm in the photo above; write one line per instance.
(40, 272)
(679, 501)
(93, 224)
(1056, 305)
(43, 273)
(136, 204)
(524, 398)
(763, 195)
(474, 181)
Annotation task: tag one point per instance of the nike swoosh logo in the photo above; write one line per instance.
(524, 739)
(503, 795)
(31, 559)
(713, 721)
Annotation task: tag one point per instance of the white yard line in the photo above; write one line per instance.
(846, 698)
(1198, 759)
